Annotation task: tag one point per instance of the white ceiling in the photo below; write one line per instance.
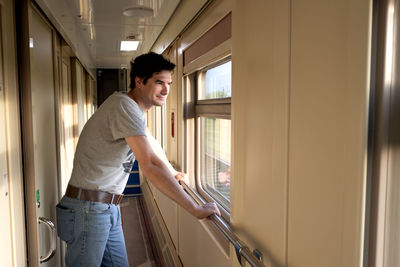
(95, 27)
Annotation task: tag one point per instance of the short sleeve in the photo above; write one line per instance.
(126, 119)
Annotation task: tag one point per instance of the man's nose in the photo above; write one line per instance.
(165, 89)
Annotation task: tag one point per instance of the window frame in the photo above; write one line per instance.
(195, 109)
(212, 194)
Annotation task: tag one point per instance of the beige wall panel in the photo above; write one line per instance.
(67, 124)
(184, 13)
(328, 131)
(180, 128)
(171, 106)
(6, 251)
(165, 244)
(79, 94)
(91, 95)
(169, 212)
(13, 137)
(197, 246)
(150, 120)
(260, 91)
(159, 127)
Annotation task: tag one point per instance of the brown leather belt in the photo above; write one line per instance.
(93, 195)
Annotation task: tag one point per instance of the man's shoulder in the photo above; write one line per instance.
(118, 99)
(118, 96)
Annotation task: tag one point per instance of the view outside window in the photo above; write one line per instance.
(215, 133)
(217, 82)
(216, 157)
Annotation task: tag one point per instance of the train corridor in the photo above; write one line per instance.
(140, 245)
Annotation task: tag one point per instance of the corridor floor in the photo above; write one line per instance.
(138, 238)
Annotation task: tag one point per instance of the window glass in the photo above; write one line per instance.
(215, 158)
(217, 82)
(208, 131)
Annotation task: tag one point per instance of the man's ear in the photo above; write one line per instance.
(138, 82)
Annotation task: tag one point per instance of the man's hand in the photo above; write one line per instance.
(206, 210)
(161, 177)
(181, 176)
(201, 211)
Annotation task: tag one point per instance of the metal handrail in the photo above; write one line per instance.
(241, 248)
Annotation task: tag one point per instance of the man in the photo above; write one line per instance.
(88, 216)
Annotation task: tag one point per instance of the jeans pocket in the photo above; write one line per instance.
(65, 223)
(98, 208)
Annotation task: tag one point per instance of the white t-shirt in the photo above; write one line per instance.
(103, 159)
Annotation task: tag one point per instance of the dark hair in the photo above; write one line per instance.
(144, 66)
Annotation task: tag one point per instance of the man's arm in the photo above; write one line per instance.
(159, 175)
(158, 150)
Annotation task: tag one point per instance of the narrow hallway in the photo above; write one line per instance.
(139, 241)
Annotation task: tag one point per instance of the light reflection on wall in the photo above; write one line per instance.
(69, 136)
(389, 48)
(67, 147)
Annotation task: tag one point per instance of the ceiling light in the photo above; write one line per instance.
(129, 45)
(138, 12)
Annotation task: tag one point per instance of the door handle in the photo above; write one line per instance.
(50, 225)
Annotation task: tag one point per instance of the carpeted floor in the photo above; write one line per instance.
(138, 238)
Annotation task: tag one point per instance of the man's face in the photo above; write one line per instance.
(156, 89)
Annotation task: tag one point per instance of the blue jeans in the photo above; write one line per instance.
(93, 233)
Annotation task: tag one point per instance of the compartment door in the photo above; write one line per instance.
(39, 113)
(6, 252)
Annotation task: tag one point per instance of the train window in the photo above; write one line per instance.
(217, 82)
(215, 157)
(212, 135)
(159, 125)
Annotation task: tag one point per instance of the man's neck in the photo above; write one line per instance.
(137, 99)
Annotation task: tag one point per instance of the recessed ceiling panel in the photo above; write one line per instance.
(98, 26)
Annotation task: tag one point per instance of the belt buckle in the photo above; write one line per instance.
(116, 199)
